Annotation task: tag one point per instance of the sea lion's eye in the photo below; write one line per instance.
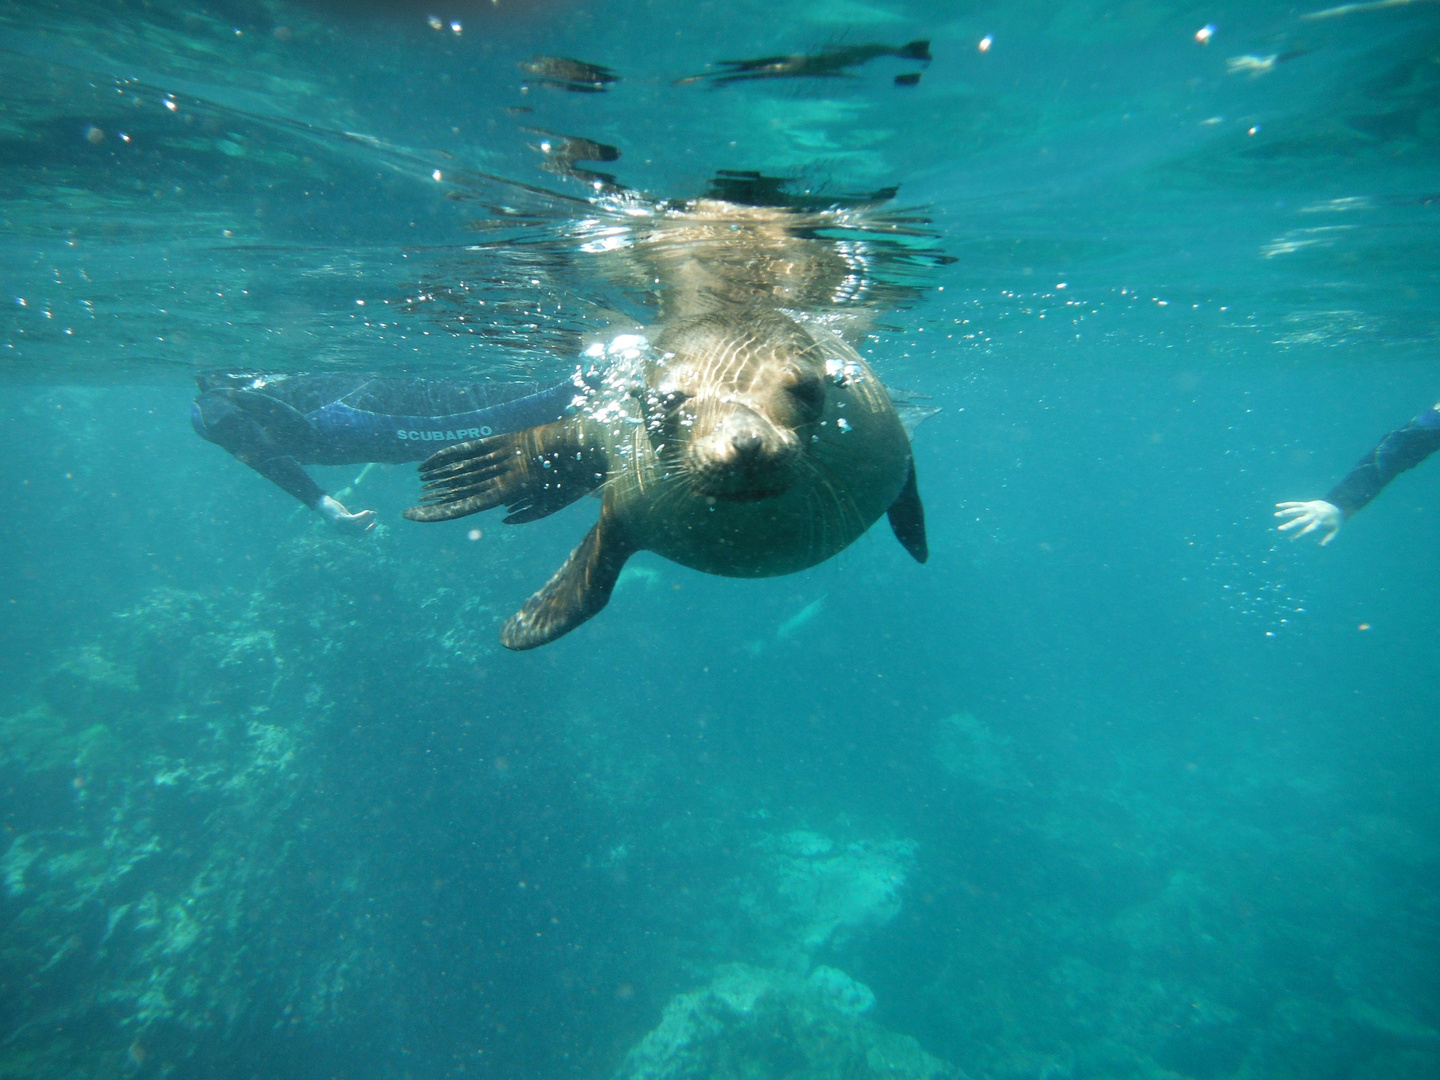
(809, 392)
(672, 399)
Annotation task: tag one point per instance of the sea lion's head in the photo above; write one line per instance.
(736, 402)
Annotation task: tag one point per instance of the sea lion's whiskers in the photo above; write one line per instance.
(836, 518)
(665, 483)
(816, 521)
(829, 513)
(673, 489)
(847, 512)
(609, 482)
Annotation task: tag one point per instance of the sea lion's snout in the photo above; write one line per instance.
(742, 457)
(746, 445)
(736, 402)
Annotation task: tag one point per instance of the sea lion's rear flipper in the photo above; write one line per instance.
(907, 518)
(577, 591)
(533, 472)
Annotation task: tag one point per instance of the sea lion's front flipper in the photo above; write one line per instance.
(533, 472)
(907, 518)
(578, 590)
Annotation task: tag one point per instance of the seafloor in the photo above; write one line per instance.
(240, 830)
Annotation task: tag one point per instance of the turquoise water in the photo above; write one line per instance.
(1120, 784)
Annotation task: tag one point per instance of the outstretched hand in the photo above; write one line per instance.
(1310, 516)
(335, 513)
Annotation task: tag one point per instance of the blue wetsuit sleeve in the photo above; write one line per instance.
(534, 409)
(217, 418)
(372, 425)
(1398, 451)
(285, 472)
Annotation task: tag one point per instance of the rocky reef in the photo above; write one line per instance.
(1152, 920)
(797, 895)
(229, 829)
(186, 861)
(158, 822)
(806, 891)
(752, 1023)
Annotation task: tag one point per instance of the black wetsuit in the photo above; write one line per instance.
(278, 423)
(1398, 451)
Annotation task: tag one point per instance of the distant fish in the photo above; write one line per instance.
(822, 65)
(1351, 9)
(567, 73)
(572, 147)
(787, 628)
(1255, 65)
(562, 152)
(638, 575)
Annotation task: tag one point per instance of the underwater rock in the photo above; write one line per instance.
(157, 777)
(754, 1023)
(88, 683)
(170, 875)
(846, 994)
(13, 865)
(810, 891)
(970, 751)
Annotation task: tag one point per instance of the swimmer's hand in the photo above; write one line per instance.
(337, 515)
(1309, 516)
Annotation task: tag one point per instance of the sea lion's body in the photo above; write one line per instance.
(740, 440)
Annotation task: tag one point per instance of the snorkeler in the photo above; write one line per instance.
(1396, 452)
(278, 423)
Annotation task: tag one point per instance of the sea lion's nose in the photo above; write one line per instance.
(746, 444)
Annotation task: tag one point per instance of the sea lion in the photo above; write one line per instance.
(736, 438)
